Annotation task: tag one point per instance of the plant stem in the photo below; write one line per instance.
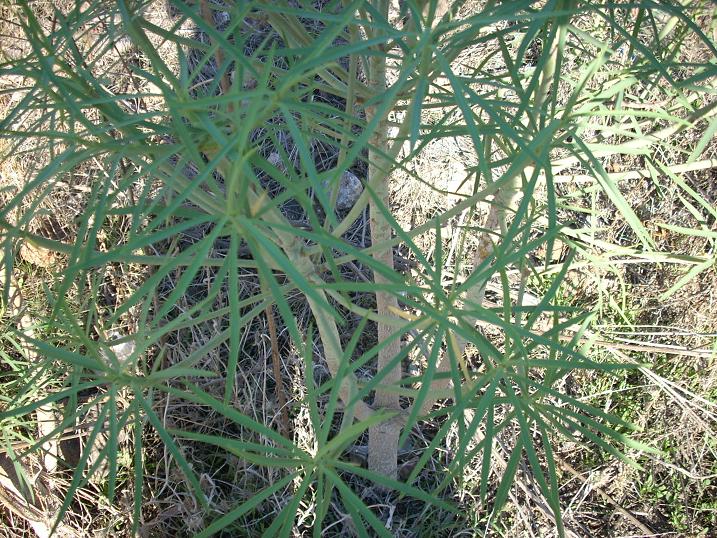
(383, 437)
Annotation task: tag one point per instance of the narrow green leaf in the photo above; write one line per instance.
(247, 506)
(175, 451)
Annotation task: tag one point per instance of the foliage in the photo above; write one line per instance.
(343, 75)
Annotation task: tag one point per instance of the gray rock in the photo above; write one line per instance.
(275, 159)
(350, 188)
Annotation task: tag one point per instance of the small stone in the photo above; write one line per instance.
(350, 188)
(275, 159)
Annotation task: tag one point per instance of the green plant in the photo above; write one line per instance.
(349, 76)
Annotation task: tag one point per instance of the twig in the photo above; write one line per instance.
(14, 502)
(276, 362)
(667, 349)
(632, 519)
(696, 166)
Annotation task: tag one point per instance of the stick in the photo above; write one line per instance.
(276, 363)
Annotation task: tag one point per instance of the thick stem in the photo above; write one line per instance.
(383, 438)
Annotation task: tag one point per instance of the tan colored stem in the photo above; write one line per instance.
(383, 437)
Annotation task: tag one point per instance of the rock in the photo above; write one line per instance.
(275, 159)
(350, 188)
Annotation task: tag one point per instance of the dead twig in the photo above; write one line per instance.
(631, 518)
(276, 363)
